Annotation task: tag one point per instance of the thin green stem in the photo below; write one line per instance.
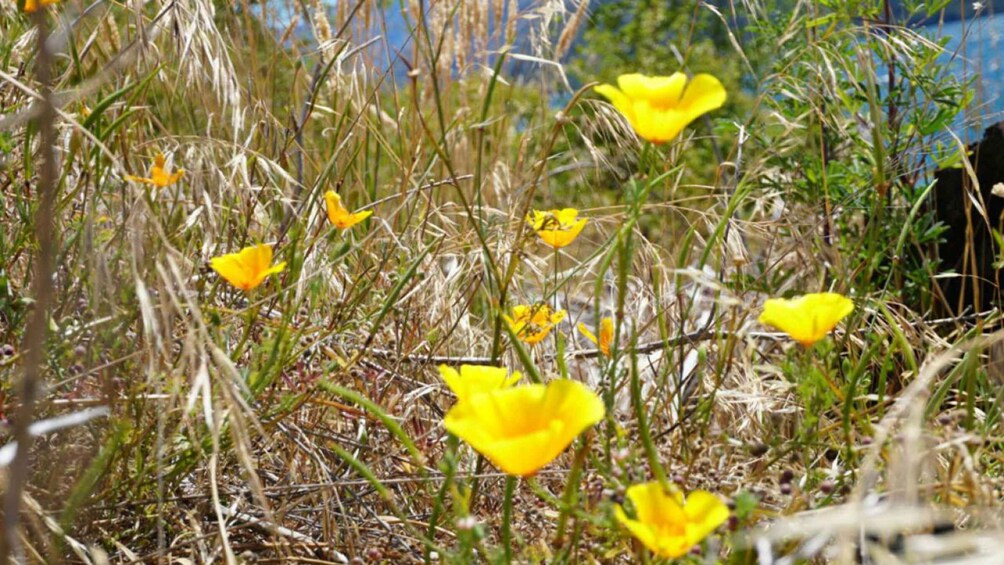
(536, 174)
(510, 489)
(251, 317)
(476, 482)
(640, 414)
(479, 132)
(571, 489)
(450, 464)
(559, 344)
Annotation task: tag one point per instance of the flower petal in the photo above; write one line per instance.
(532, 324)
(333, 205)
(525, 455)
(275, 269)
(523, 428)
(473, 380)
(606, 335)
(139, 179)
(660, 107)
(704, 512)
(258, 257)
(618, 99)
(248, 268)
(536, 219)
(808, 318)
(338, 215)
(566, 216)
(660, 125)
(575, 404)
(704, 94)
(659, 90)
(231, 269)
(668, 525)
(354, 218)
(662, 534)
(642, 532)
(558, 316)
(654, 505)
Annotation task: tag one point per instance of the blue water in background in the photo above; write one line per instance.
(982, 58)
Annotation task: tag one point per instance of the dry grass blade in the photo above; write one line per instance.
(212, 365)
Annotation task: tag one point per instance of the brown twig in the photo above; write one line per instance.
(648, 347)
(37, 326)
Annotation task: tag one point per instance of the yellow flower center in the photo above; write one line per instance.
(532, 424)
(671, 529)
(531, 328)
(663, 104)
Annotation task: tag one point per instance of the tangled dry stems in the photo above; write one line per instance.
(222, 443)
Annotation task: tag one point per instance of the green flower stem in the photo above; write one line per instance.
(646, 437)
(449, 471)
(638, 195)
(535, 175)
(510, 489)
(608, 367)
(476, 483)
(804, 365)
(572, 488)
(559, 345)
(479, 133)
(556, 286)
(251, 317)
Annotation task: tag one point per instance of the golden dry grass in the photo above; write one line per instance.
(302, 422)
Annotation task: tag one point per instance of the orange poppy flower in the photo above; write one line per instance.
(808, 318)
(248, 268)
(522, 428)
(339, 215)
(158, 175)
(659, 107)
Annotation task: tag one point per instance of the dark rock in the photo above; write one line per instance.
(968, 247)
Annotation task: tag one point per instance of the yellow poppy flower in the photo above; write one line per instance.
(666, 523)
(807, 319)
(606, 335)
(532, 323)
(159, 176)
(32, 6)
(523, 428)
(248, 268)
(658, 108)
(338, 215)
(556, 228)
(475, 379)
